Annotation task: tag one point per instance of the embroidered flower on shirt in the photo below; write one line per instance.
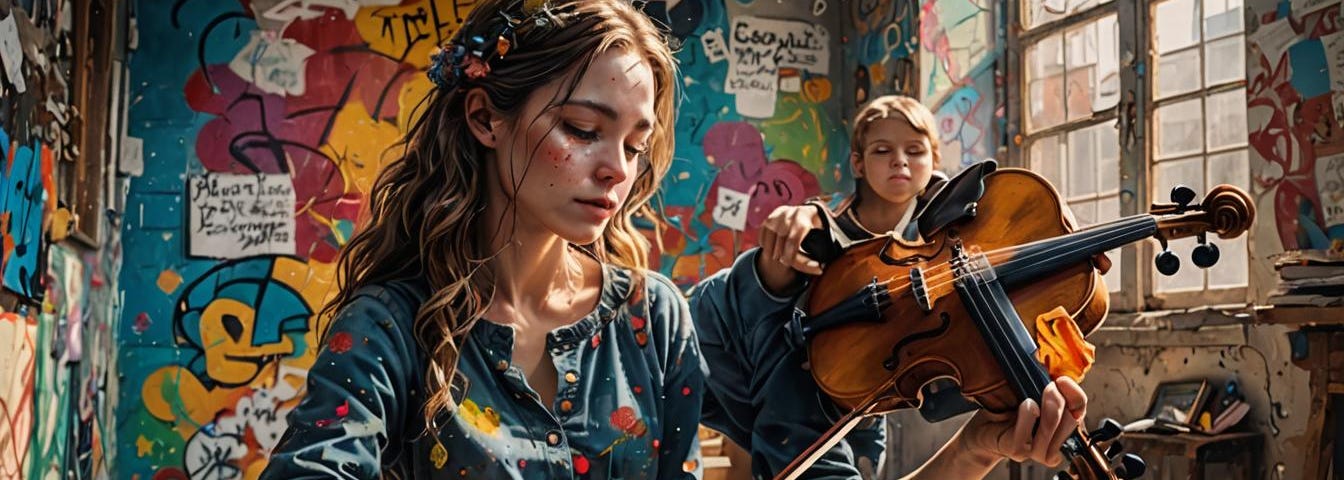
(340, 343)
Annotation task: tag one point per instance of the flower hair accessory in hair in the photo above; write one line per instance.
(456, 63)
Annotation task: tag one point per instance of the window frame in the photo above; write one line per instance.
(1135, 118)
(1154, 300)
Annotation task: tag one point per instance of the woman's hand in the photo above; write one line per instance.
(1062, 408)
(781, 257)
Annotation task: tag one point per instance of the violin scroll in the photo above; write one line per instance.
(1226, 211)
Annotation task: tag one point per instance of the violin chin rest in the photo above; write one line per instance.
(955, 200)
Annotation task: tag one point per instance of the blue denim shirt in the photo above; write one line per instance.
(627, 407)
(761, 394)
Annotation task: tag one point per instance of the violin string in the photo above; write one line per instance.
(1034, 259)
(997, 255)
(977, 301)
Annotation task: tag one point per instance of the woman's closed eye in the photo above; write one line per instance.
(579, 133)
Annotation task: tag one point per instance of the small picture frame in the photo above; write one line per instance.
(1179, 402)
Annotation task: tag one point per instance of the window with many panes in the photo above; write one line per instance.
(1198, 127)
(1196, 118)
(1072, 85)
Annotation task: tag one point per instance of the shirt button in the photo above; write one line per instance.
(571, 376)
(553, 438)
(566, 406)
(502, 365)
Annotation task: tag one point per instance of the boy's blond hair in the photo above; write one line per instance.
(896, 106)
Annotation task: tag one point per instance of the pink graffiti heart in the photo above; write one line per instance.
(739, 151)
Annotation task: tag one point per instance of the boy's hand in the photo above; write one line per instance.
(781, 239)
(1036, 432)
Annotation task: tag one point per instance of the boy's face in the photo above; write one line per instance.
(896, 162)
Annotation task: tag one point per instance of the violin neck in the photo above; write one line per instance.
(1036, 259)
(1013, 346)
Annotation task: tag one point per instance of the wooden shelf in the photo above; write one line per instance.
(1302, 316)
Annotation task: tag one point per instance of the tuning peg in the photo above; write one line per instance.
(1114, 449)
(1167, 263)
(1108, 430)
(1182, 195)
(1131, 466)
(1205, 255)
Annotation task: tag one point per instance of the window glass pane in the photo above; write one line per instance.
(1108, 158)
(1084, 212)
(1037, 12)
(1225, 60)
(1177, 129)
(1177, 73)
(1167, 175)
(1048, 160)
(1107, 94)
(1177, 25)
(1226, 119)
(1231, 168)
(1091, 52)
(1222, 17)
(1045, 80)
(1233, 264)
(1083, 161)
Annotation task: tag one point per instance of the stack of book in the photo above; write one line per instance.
(1310, 278)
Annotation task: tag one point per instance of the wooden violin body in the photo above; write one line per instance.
(887, 317)
(1018, 207)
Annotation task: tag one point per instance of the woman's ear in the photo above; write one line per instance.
(856, 165)
(482, 118)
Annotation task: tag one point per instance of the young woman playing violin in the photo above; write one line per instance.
(761, 394)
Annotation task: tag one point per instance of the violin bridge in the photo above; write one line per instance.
(918, 288)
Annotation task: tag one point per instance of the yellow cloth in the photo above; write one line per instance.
(1063, 350)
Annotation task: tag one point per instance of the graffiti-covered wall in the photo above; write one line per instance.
(55, 323)
(761, 124)
(263, 125)
(1295, 117)
(960, 47)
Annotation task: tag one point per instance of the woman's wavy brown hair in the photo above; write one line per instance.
(426, 206)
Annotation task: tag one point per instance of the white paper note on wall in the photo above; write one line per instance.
(731, 209)
(1274, 38)
(716, 48)
(234, 216)
(132, 156)
(11, 52)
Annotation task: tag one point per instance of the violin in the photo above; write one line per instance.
(887, 316)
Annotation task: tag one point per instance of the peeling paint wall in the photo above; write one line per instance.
(55, 327)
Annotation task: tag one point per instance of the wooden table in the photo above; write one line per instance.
(1244, 449)
(1318, 347)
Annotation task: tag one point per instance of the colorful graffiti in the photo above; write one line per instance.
(311, 91)
(882, 45)
(959, 58)
(18, 345)
(1295, 123)
(26, 188)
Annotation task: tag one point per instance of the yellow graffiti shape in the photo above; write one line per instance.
(486, 420)
(358, 143)
(173, 394)
(226, 337)
(410, 32)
